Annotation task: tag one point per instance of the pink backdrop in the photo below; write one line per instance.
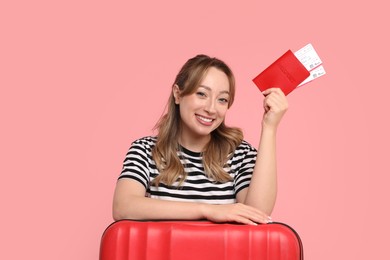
(81, 79)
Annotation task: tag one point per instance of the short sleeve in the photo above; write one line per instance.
(244, 161)
(136, 165)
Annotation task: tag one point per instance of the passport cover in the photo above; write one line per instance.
(286, 73)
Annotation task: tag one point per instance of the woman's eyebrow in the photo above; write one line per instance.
(209, 89)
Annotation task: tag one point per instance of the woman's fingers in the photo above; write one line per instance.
(252, 213)
(271, 90)
(276, 97)
(236, 213)
(275, 105)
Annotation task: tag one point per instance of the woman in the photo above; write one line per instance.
(197, 167)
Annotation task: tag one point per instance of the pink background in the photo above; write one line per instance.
(81, 79)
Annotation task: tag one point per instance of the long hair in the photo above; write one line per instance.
(224, 139)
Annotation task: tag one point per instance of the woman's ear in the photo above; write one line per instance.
(176, 93)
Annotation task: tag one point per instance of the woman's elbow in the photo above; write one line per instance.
(117, 216)
(119, 213)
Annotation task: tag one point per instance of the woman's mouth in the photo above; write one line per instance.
(204, 120)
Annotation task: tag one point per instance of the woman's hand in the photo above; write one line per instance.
(237, 212)
(275, 105)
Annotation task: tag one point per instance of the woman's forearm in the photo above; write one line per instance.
(262, 190)
(143, 208)
(130, 203)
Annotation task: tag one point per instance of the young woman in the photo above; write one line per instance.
(197, 167)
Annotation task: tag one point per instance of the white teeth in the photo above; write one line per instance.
(205, 119)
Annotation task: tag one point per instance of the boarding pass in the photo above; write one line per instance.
(311, 61)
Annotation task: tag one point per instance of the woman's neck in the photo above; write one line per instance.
(195, 144)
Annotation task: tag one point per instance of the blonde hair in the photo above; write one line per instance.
(224, 139)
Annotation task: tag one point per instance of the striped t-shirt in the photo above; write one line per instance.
(197, 187)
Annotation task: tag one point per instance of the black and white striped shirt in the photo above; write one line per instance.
(197, 187)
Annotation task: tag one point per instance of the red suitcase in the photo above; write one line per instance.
(200, 240)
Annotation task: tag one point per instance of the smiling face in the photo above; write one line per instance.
(204, 110)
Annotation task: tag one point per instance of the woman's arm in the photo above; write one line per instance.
(130, 203)
(262, 190)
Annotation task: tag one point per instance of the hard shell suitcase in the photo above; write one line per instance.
(200, 240)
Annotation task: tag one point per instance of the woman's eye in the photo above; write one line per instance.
(223, 100)
(201, 94)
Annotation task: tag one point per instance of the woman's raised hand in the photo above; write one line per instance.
(275, 105)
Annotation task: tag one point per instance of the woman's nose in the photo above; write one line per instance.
(210, 106)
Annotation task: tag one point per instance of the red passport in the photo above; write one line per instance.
(285, 73)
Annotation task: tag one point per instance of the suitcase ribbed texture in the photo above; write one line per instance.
(190, 240)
